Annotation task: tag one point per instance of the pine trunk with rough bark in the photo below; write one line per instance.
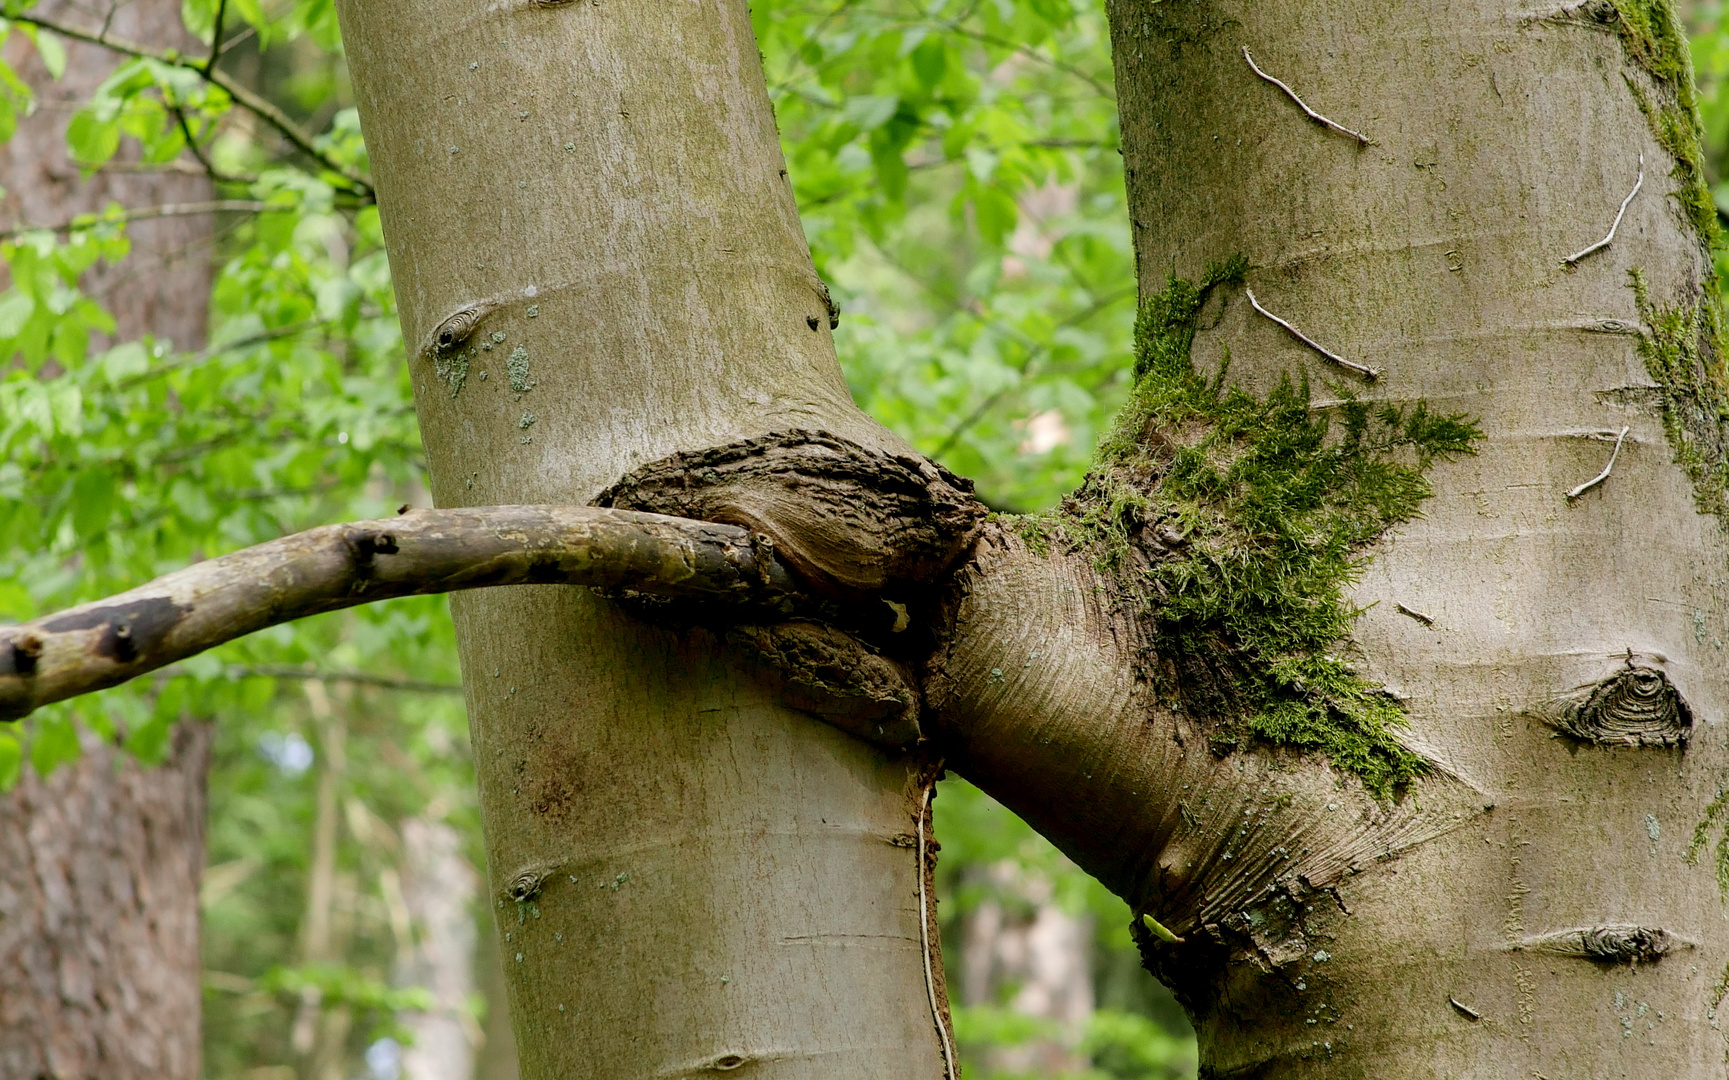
(100, 972)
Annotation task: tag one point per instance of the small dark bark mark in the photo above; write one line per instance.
(25, 652)
(525, 886)
(1613, 944)
(129, 629)
(453, 333)
(1638, 706)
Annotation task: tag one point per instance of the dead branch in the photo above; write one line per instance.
(110, 641)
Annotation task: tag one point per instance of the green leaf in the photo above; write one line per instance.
(11, 760)
(53, 743)
(124, 361)
(930, 61)
(867, 112)
(92, 501)
(53, 54)
(996, 214)
(91, 141)
(15, 310)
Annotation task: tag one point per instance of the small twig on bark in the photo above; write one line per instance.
(1362, 140)
(925, 915)
(1604, 475)
(144, 213)
(1366, 372)
(111, 641)
(247, 99)
(1573, 260)
(1426, 620)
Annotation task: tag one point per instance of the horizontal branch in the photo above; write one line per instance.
(108, 642)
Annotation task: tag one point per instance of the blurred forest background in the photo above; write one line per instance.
(204, 354)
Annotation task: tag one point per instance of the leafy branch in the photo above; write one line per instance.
(246, 98)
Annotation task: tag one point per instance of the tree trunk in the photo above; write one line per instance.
(99, 965)
(99, 930)
(688, 876)
(1374, 665)
(1531, 905)
(438, 888)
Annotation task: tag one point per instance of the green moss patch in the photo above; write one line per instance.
(1682, 346)
(1237, 521)
(1654, 40)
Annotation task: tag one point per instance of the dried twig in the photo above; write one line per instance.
(111, 641)
(1572, 260)
(1604, 475)
(354, 678)
(144, 213)
(1366, 372)
(1426, 620)
(1362, 140)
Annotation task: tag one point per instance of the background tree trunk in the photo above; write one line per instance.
(439, 889)
(1019, 948)
(99, 965)
(687, 875)
(99, 943)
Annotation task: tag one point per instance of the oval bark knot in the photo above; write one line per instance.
(850, 521)
(1638, 706)
(525, 886)
(1611, 944)
(453, 333)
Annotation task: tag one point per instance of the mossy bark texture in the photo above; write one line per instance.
(1543, 651)
(588, 218)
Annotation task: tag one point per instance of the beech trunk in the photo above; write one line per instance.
(1428, 203)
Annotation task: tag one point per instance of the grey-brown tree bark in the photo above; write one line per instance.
(1430, 370)
(99, 927)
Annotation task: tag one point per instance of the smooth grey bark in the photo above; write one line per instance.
(100, 863)
(1530, 909)
(721, 883)
(690, 878)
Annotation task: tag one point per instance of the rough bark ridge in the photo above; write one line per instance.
(99, 917)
